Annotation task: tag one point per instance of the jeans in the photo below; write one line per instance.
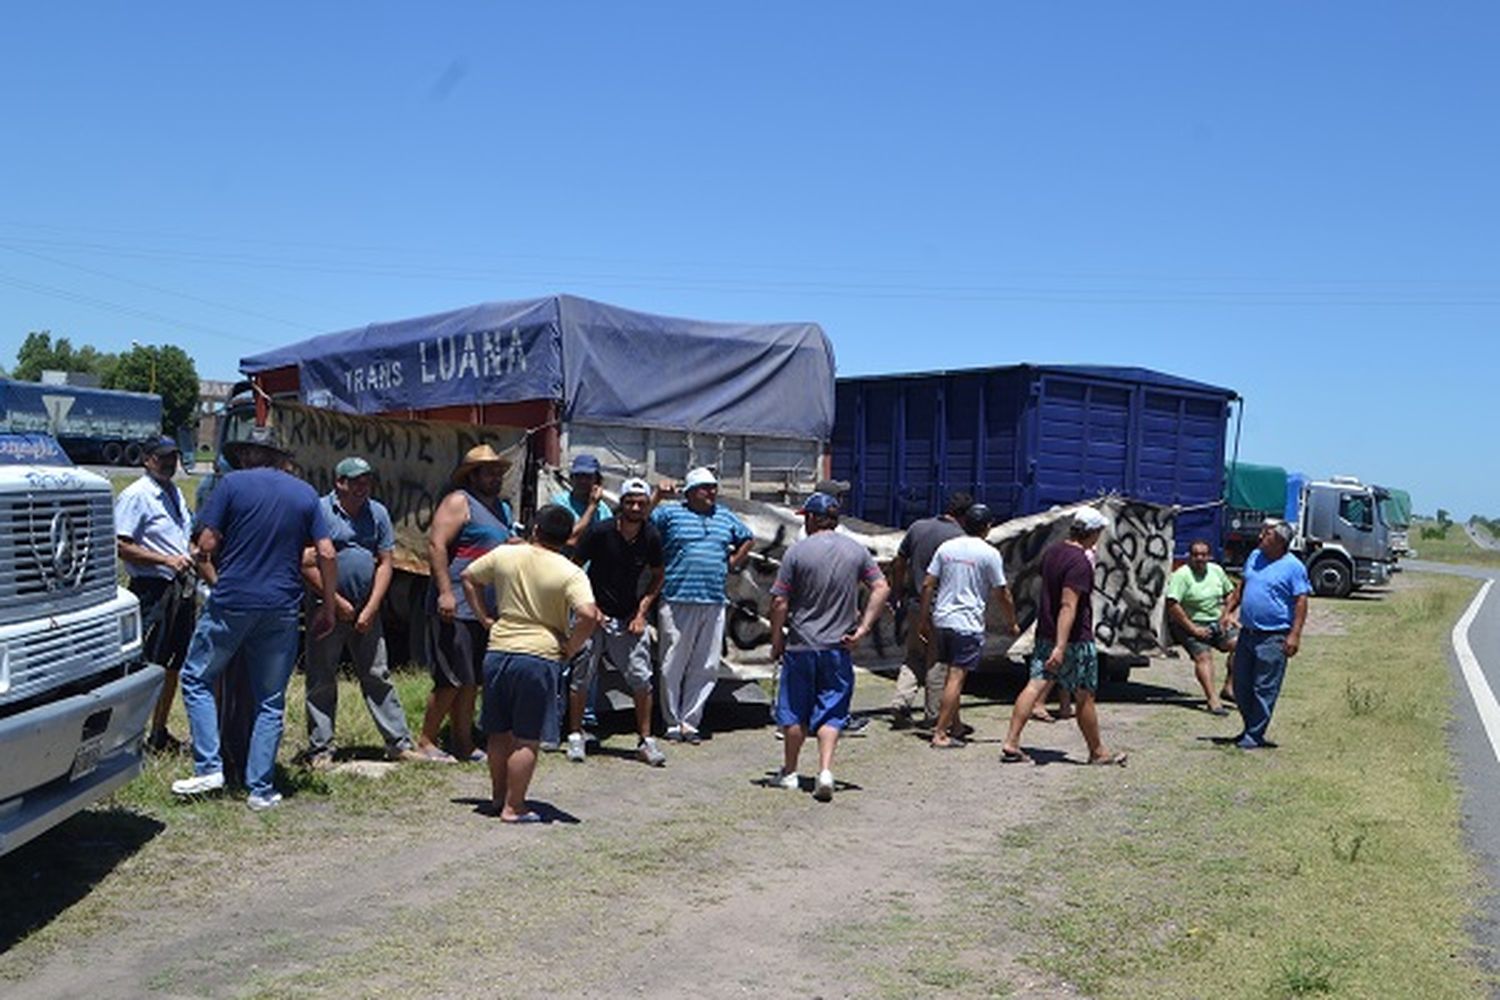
(1259, 666)
(269, 637)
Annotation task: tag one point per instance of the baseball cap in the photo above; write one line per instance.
(1088, 519)
(163, 446)
(634, 487)
(978, 517)
(701, 476)
(820, 504)
(352, 467)
(585, 464)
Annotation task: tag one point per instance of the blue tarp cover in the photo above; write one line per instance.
(603, 363)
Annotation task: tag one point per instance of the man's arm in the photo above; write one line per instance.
(1175, 612)
(1299, 618)
(587, 517)
(1008, 608)
(475, 596)
(446, 524)
(638, 623)
(898, 577)
(139, 555)
(1066, 615)
(586, 618)
(924, 619)
(385, 568)
(880, 592)
(778, 626)
(328, 568)
(1232, 603)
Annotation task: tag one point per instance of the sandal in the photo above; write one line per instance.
(524, 818)
(1015, 757)
(1042, 715)
(954, 743)
(1116, 759)
(436, 756)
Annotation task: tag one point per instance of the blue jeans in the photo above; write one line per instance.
(271, 640)
(1259, 666)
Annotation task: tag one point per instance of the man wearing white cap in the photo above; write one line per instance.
(364, 542)
(624, 560)
(701, 542)
(1064, 652)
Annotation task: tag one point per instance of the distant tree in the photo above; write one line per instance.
(1444, 519)
(40, 353)
(165, 370)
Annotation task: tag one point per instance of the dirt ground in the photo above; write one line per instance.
(693, 878)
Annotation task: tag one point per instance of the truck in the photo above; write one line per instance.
(93, 426)
(75, 693)
(1395, 509)
(1338, 529)
(542, 380)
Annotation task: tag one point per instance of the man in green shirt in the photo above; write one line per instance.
(1197, 618)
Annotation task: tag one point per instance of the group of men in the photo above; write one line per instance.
(516, 614)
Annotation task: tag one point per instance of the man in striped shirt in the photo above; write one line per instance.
(701, 542)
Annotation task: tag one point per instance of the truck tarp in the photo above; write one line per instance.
(604, 364)
(1295, 482)
(67, 411)
(1255, 487)
(1396, 509)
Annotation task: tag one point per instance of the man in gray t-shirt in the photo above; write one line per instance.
(918, 672)
(817, 592)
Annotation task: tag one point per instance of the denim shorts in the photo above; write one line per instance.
(520, 695)
(817, 686)
(1218, 638)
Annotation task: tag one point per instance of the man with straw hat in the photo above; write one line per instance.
(470, 521)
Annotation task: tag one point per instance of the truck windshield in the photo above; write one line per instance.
(31, 449)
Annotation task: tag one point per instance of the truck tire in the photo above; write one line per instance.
(1331, 578)
(111, 452)
(133, 454)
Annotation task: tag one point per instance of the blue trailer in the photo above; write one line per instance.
(102, 426)
(1024, 438)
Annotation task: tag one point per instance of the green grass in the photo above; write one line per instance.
(1455, 547)
(1332, 866)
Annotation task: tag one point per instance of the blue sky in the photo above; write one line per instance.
(1296, 201)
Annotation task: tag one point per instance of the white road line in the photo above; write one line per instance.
(1479, 688)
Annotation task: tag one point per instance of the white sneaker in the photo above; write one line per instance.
(575, 748)
(260, 803)
(199, 784)
(824, 791)
(650, 753)
(789, 781)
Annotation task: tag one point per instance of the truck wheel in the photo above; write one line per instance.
(1331, 578)
(111, 452)
(133, 454)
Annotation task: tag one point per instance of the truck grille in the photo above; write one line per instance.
(45, 660)
(57, 551)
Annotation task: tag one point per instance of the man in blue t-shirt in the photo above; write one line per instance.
(701, 542)
(258, 520)
(1272, 602)
(584, 498)
(364, 543)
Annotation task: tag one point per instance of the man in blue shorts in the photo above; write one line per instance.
(961, 576)
(1272, 601)
(1065, 654)
(817, 593)
(546, 615)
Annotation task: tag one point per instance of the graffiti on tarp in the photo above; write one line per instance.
(1130, 576)
(413, 461)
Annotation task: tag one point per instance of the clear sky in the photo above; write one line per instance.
(1297, 201)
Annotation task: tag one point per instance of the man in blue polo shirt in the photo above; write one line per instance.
(701, 542)
(583, 498)
(1272, 601)
(258, 521)
(364, 541)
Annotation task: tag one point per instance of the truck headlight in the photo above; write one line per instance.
(130, 628)
(4, 668)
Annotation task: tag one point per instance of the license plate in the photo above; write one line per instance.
(87, 757)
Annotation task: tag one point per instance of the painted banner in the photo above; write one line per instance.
(413, 461)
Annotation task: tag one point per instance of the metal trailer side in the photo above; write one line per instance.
(1025, 438)
(92, 425)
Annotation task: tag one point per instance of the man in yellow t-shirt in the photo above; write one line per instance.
(1195, 613)
(546, 614)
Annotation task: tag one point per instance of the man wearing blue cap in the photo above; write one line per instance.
(817, 593)
(585, 497)
(364, 542)
(152, 524)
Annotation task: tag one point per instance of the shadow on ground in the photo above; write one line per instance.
(40, 880)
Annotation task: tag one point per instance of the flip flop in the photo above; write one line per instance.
(525, 817)
(1220, 711)
(954, 743)
(1043, 716)
(1116, 759)
(1015, 757)
(436, 756)
(477, 756)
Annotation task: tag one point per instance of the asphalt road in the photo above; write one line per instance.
(1481, 538)
(1478, 748)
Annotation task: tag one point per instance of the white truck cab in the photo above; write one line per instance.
(75, 696)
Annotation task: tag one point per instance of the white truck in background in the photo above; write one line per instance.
(75, 695)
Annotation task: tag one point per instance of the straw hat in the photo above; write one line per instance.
(475, 457)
